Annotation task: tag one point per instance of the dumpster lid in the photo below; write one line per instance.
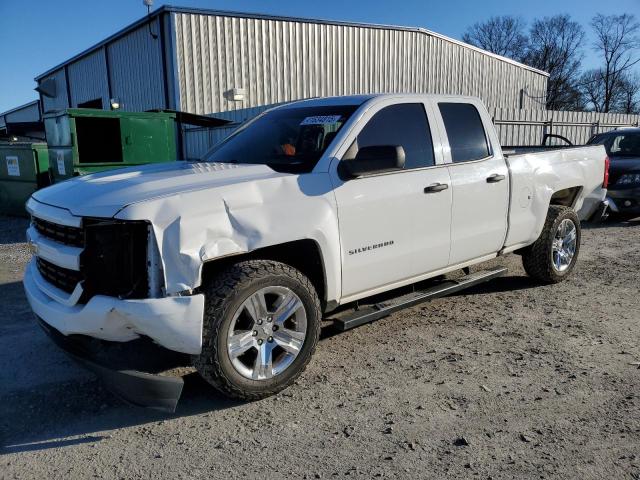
(194, 119)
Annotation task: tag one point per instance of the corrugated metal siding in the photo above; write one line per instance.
(135, 71)
(527, 127)
(279, 60)
(27, 113)
(199, 140)
(135, 66)
(60, 100)
(88, 79)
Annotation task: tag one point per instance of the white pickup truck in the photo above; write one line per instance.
(307, 210)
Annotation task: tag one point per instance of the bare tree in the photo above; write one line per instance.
(555, 46)
(592, 88)
(502, 35)
(617, 40)
(628, 97)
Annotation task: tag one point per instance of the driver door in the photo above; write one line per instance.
(393, 226)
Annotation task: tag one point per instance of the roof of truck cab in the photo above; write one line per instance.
(360, 99)
(329, 101)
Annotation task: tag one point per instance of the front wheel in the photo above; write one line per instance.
(261, 326)
(553, 256)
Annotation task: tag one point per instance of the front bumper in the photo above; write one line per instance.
(624, 200)
(173, 322)
(113, 365)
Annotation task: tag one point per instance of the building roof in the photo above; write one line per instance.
(21, 107)
(200, 11)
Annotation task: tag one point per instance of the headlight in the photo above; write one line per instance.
(629, 179)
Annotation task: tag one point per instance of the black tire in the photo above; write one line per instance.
(224, 295)
(537, 258)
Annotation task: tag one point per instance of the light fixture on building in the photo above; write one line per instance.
(115, 104)
(238, 94)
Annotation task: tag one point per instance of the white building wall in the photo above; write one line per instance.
(88, 79)
(280, 60)
(135, 67)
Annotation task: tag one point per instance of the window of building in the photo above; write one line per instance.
(95, 103)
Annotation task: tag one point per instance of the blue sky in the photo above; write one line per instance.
(36, 35)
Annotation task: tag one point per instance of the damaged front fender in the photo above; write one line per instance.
(194, 227)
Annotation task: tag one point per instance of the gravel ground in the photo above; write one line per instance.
(508, 380)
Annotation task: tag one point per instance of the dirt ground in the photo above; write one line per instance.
(508, 380)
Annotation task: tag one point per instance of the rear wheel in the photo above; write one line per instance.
(261, 327)
(554, 254)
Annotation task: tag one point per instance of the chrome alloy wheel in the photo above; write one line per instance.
(267, 333)
(564, 245)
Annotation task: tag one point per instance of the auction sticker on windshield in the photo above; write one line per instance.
(321, 120)
(13, 167)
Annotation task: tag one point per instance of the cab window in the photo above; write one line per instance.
(405, 125)
(465, 132)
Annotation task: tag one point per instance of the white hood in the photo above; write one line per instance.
(104, 194)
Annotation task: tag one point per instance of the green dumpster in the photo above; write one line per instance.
(24, 168)
(83, 140)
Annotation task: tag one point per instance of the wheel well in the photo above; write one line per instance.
(303, 255)
(566, 197)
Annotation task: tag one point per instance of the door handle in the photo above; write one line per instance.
(436, 187)
(495, 178)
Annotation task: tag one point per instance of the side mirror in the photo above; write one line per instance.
(373, 159)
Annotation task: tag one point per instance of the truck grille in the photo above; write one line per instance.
(72, 236)
(62, 278)
(113, 261)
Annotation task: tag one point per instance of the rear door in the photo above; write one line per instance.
(479, 180)
(391, 229)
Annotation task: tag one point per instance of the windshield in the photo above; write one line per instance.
(619, 145)
(288, 139)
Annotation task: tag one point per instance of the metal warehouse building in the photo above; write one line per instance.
(235, 64)
(22, 121)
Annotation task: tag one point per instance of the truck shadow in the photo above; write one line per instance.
(13, 229)
(508, 283)
(46, 417)
(497, 285)
(611, 224)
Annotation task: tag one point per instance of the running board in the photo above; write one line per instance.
(352, 319)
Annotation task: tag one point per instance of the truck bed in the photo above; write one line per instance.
(535, 174)
(509, 151)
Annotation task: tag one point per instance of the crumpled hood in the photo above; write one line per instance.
(104, 194)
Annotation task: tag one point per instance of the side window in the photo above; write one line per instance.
(465, 132)
(406, 125)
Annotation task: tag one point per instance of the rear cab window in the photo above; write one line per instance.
(404, 124)
(465, 132)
